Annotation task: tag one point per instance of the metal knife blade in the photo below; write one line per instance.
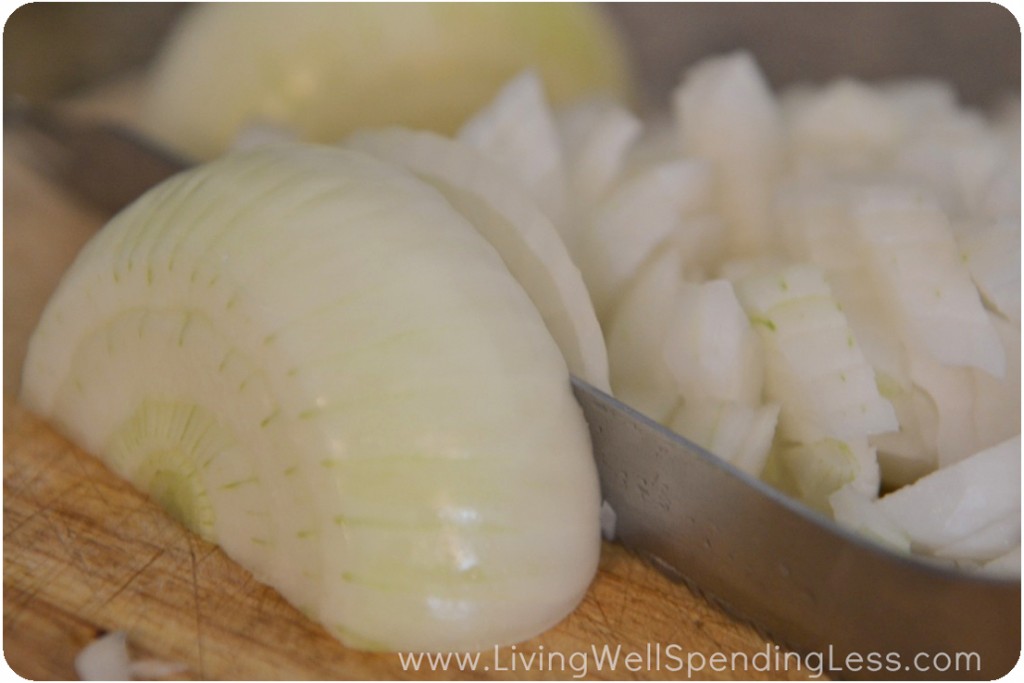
(796, 575)
(801, 578)
(107, 165)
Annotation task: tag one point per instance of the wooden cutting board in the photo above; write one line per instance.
(84, 553)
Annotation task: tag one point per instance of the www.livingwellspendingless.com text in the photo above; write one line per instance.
(675, 659)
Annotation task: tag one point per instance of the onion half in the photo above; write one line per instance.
(314, 360)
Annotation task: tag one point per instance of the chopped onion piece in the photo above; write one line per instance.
(149, 669)
(727, 115)
(105, 659)
(847, 122)
(912, 257)
(595, 136)
(860, 513)
(738, 433)
(1007, 565)
(518, 131)
(608, 520)
(709, 348)
(636, 218)
(814, 367)
(814, 471)
(992, 256)
(952, 504)
(636, 339)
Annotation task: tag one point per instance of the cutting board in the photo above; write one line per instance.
(85, 554)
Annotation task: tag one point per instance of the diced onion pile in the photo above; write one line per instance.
(821, 286)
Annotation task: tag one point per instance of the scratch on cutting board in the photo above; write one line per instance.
(44, 580)
(24, 600)
(132, 578)
(89, 480)
(27, 479)
(629, 580)
(23, 521)
(195, 600)
(72, 549)
(604, 616)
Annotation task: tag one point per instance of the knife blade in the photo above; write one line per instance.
(796, 575)
(107, 165)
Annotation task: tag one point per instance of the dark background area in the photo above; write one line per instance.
(52, 49)
(974, 45)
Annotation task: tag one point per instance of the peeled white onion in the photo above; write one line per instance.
(315, 360)
(511, 221)
(323, 70)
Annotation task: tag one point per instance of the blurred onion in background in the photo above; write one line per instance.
(55, 49)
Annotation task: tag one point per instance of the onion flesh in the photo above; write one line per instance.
(323, 70)
(316, 361)
(872, 235)
(510, 220)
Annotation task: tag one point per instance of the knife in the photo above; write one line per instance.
(857, 609)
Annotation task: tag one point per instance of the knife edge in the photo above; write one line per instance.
(787, 570)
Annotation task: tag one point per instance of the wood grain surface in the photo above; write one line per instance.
(84, 553)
